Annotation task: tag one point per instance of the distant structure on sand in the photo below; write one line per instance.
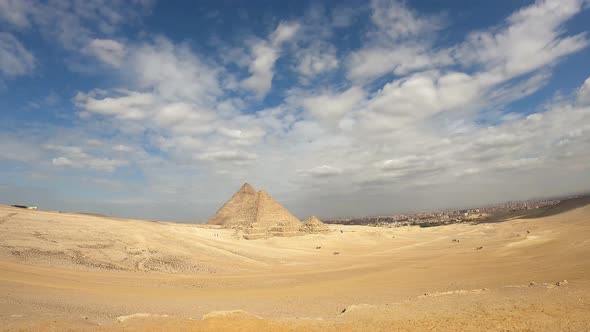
(314, 225)
(25, 207)
(258, 215)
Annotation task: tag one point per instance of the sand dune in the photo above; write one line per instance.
(71, 271)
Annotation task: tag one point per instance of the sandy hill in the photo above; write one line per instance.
(314, 225)
(257, 214)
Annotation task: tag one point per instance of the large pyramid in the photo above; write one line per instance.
(257, 214)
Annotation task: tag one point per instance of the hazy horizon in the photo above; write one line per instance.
(304, 216)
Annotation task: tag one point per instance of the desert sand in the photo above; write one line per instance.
(61, 271)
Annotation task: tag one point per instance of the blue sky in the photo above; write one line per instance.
(161, 110)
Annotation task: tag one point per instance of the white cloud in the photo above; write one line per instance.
(284, 32)
(122, 148)
(76, 157)
(370, 63)
(264, 54)
(261, 68)
(179, 103)
(331, 108)
(107, 50)
(15, 59)
(174, 71)
(316, 59)
(15, 12)
(324, 171)
(400, 42)
(72, 23)
(532, 38)
(61, 161)
(183, 118)
(395, 21)
(230, 155)
(133, 106)
(423, 95)
(583, 95)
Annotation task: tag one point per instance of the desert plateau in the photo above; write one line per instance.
(66, 271)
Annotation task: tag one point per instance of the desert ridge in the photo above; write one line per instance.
(255, 215)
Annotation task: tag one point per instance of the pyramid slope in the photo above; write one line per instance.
(314, 225)
(240, 210)
(257, 214)
(270, 212)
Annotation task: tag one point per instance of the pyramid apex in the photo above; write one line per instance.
(313, 219)
(247, 188)
(263, 193)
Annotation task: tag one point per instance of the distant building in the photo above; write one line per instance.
(25, 207)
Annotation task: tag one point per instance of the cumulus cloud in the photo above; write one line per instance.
(108, 51)
(174, 71)
(331, 108)
(178, 101)
(532, 38)
(400, 42)
(261, 68)
(264, 54)
(132, 106)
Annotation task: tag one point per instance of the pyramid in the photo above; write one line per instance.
(314, 225)
(257, 214)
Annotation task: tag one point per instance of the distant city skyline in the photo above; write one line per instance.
(162, 110)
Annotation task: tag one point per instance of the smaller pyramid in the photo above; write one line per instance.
(314, 225)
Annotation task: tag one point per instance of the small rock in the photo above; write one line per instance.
(318, 247)
(426, 294)
(528, 232)
(478, 248)
(561, 283)
(343, 311)
(532, 283)
(336, 253)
